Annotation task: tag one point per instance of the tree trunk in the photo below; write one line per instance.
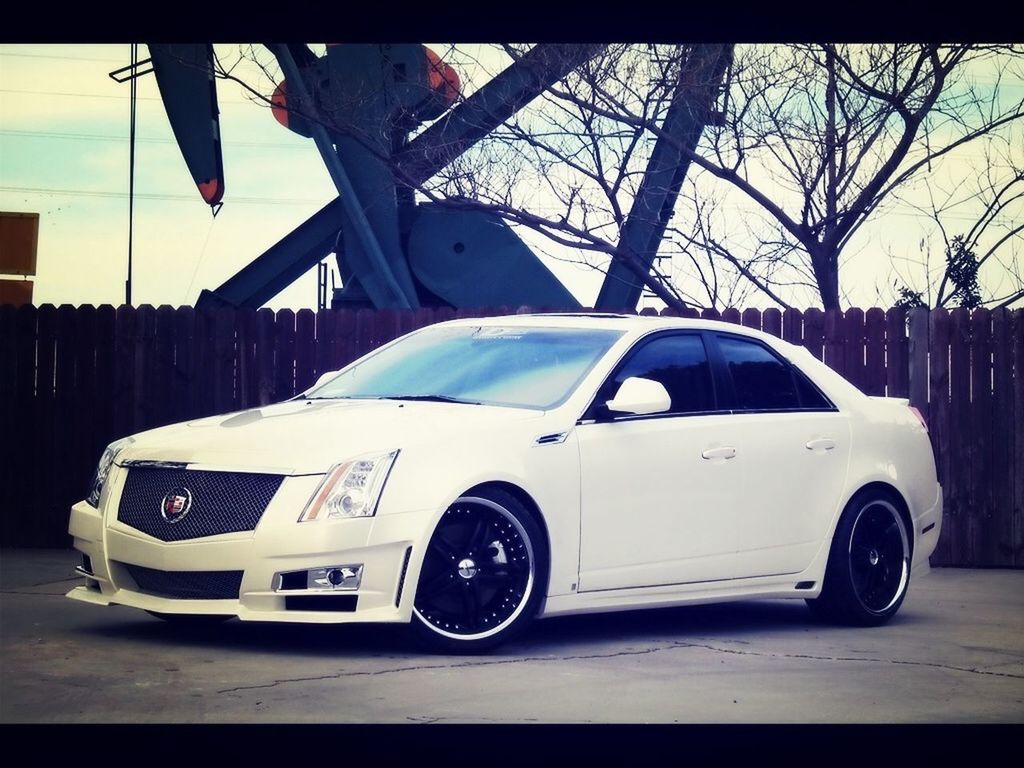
(825, 262)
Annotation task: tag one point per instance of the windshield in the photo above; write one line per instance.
(519, 367)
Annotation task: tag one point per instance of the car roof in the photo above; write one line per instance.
(620, 322)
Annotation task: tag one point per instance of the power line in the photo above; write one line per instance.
(158, 196)
(54, 56)
(147, 140)
(112, 96)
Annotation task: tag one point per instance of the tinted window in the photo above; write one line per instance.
(761, 381)
(679, 363)
(810, 397)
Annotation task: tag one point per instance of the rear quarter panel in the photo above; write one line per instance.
(891, 446)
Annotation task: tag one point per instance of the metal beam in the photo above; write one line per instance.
(391, 293)
(425, 156)
(489, 106)
(282, 264)
(699, 77)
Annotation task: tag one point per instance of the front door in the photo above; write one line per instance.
(659, 493)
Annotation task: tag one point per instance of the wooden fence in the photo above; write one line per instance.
(74, 379)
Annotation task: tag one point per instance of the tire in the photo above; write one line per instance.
(191, 619)
(868, 570)
(484, 574)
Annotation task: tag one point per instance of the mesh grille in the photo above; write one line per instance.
(187, 585)
(221, 502)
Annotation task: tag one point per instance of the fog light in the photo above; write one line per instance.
(335, 577)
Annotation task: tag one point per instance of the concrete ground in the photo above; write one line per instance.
(954, 653)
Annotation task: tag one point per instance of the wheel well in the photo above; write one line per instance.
(901, 505)
(531, 506)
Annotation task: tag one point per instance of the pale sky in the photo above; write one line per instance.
(64, 154)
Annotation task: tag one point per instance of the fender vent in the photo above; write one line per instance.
(401, 578)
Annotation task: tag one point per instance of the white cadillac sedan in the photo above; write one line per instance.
(476, 474)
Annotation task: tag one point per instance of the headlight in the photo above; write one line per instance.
(351, 489)
(103, 469)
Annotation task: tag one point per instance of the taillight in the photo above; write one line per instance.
(919, 417)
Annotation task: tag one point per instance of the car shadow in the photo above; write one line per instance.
(569, 635)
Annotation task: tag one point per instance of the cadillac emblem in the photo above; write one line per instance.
(176, 504)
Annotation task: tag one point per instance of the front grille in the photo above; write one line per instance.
(187, 585)
(219, 502)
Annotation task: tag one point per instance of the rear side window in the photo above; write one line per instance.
(763, 382)
(679, 363)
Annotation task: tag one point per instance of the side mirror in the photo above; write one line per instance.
(640, 397)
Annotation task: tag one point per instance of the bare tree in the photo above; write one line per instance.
(814, 141)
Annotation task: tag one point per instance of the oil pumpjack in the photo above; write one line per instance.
(359, 103)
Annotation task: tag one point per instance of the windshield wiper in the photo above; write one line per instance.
(430, 399)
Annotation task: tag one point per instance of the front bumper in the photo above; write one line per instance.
(381, 544)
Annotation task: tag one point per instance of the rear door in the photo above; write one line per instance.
(793, 447)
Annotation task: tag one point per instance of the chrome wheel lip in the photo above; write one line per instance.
(904, 576)
(527, 590)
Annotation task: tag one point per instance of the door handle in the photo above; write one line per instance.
(718, 453)
(821, 444)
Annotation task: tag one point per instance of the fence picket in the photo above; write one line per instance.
(44, 425)
(61, 484)
(264, 354)
(980, 514)
(103, 404)
(1004, 416)
(161, 391)
(42, 432)
(874, 352)
(751, 318)
(284, 356)
(939, 419)
(814, 332)
(8, 371)
(124, 372)
(305, 349)
(897, 382)
(325, 333)
(835, 340)
(792, 326)
(960, 414)
(1017, 509)
(84, 413)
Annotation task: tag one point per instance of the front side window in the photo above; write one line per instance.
(513, 366)
(679, 363)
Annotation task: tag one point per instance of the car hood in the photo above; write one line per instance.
(309, 436)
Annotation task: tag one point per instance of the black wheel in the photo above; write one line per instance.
(191, 619)
(868, 568)
(484, 574)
